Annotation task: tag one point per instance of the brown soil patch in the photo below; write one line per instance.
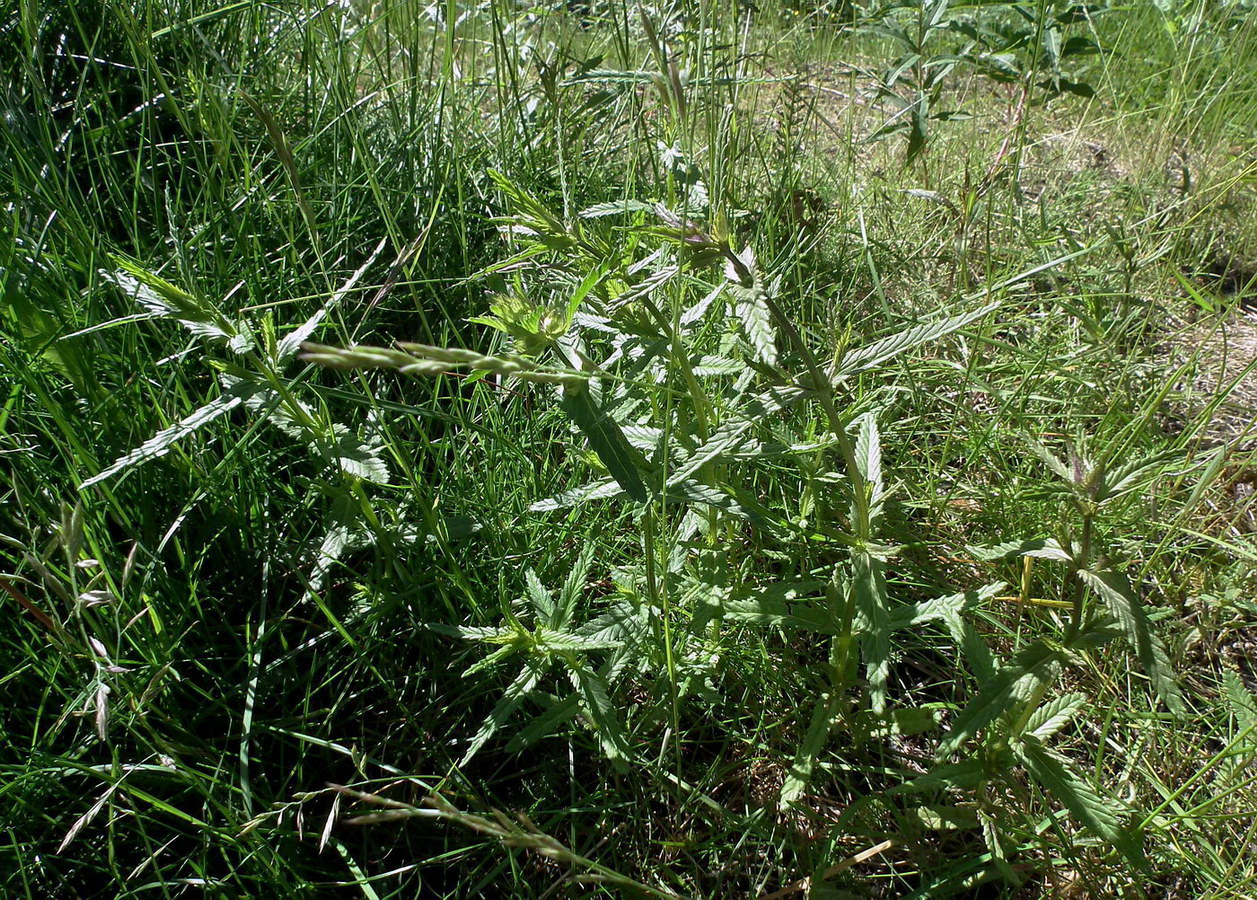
(1218, 358)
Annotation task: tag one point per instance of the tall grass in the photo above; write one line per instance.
(785, 502)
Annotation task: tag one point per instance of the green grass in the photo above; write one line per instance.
(345, 632)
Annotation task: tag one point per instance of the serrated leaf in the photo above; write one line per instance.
(872, 355)
(868, 458)
(541, 599)
(793, 604)
(765, 405)
(644, 437)
(623, 461)
(160, 443)
(596, 704)
(574, 585)
(1051, 460)
(693, 492)
(905, 721)
(868, 454)
(334, 543)
(615, 208)
(971, 645)
(868, 583)
(751, 308)
(1055, 714)
(1118, 595)
(720, 444)
(162, 298)
(645, 287)
(950, 611)
(717, 365)
(597, 490)
(270, 406)
(1099, 632)
(1242, 703)
(1129, 476)
(1076, 793)
(947, 818)
(542, 726)
(964, 775)
(356, 457)
(571, 641)
(699, 309)
(1039, 548)
(287, 348)
(776, 613)
(1033, 665)
(469, 632)
(512, 697)
(814, 741)
(940, 608)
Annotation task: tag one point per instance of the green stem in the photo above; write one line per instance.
(1082, 561)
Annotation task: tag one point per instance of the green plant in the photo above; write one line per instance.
(612, 563)
(1020, 43)
(678, 409)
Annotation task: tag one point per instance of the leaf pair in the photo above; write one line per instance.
(555, 640)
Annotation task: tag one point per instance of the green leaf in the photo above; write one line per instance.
(357, 457)
(542, 600)
(699, 309)
(1134, 474)
(596, 490)
(947, 818)
(1055, 714)
(512, 697)
(573, 641)
(597, 705)
(469, 632)
(1241, 701)
(287, 347)
(1118, 595)
(1033, 665)
(940, 608)
(761, 611)
(868, 457)
(645, 287)
(1040, 548)
(751, 308)
(617, 624)
(950, 611)
(1051, 460)
(869, 584)
(873, 355)
(160, 443)
(971, 645)
(791, 604)
(574, 585)
(1076, 793)
(621, 458)
(818, 729)
(559, 712)
(162, 298)
(964, 775)
(934, 13)
(615, 208)
(723, 443)
(904, 721)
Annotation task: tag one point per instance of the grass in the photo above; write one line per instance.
(284, 624)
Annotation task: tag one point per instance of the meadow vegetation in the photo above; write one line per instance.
(672, 449)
